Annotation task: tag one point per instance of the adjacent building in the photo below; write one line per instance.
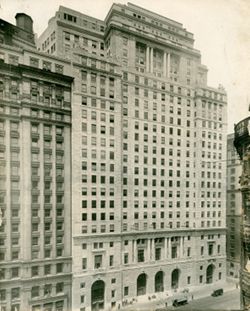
(35, 174)
(234, 209)
(148, 157)
(242, 144)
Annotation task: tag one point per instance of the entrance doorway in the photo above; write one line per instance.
(141, 284)
(175, 278)
(159, 286)
(97, 295)
(209, 274)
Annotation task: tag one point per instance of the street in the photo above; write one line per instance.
(228, 301)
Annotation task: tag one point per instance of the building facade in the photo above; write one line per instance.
(35, 174)
(148, 157)
(234, 209)
(242, 143)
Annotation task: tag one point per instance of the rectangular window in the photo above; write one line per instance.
(174, 252)
(98, 261)
(15, 293)
(158, 253)
(111, 260)
(140, 255)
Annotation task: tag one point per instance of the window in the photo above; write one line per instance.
(47, 289)
(82, 285)
(158, 253)
(59, 267)
(34, 271)
(98, 261)
(14, 272)
(125, 258)
(82, 298)
(126, 290)
(15, 293)
(84, 263)
(35, 291)
(2, 295)
(59, 287)
(210, 249)
(47, 269)
(111, 260)
(140, 255)
(202, 250)
(174, 251)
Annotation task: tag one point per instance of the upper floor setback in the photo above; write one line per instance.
(214, 94)
(71, 19)
(155, 26)
(160, 47)
(130, 18)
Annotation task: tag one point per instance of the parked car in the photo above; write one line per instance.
(217, 292)
(180, 302)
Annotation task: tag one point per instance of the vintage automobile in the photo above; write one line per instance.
(217, 292)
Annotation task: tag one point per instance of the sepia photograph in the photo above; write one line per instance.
(124, 155)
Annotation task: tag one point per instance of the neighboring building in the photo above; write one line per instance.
(242, 144)
(148, 157)
(20, 35)
(234, 208)
(35, 174)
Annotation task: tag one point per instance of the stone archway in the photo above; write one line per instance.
(175, 278)
(159, 282)
(141, 284)
(210, 274)
(97, 295)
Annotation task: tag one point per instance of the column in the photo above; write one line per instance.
(153, 249)
(151, 60)
(148, 249)
(181, 248)
(166, 248)
(169, 248)
(147, 59)
(134, 250)
(164, 64)
(168, 66)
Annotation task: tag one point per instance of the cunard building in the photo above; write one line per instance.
(148, 157)
(35, 172)
(148, 184)
(242, 144)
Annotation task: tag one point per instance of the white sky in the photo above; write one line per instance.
(221, 30)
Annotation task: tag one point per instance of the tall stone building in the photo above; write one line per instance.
(35, 174)
(242, 144)
(234, 208)
(148, 157)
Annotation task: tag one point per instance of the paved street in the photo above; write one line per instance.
(203, 301)
(229, 301)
